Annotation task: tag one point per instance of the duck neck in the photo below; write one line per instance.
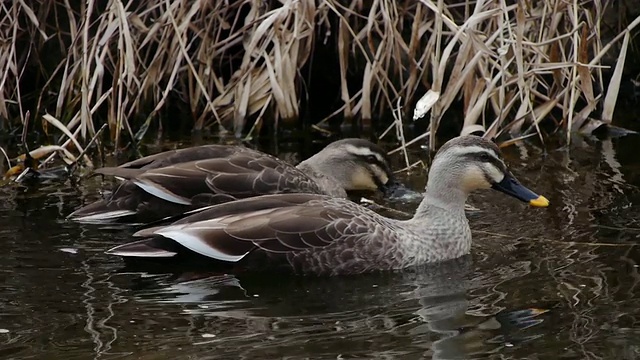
(328, 184)
(307, 166)
(442, 194)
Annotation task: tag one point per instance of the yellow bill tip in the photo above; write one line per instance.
(541, 201)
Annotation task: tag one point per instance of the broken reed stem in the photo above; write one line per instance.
(71, 167)
(400, 131)
(437, 75)
(6, 157)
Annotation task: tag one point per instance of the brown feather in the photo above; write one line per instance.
(172, 157)
(312, 240)
(274, 246)
(293, 241)
(224, 243)
(249, 205)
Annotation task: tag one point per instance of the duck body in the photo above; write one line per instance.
(310, 234)
(173, 183)
(322, 235)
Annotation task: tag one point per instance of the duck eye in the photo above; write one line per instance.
(485, 157)
(372, 159)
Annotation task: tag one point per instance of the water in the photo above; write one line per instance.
(561, 282)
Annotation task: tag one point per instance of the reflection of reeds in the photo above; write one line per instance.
(510, 63)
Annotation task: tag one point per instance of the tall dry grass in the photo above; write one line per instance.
(511, 65)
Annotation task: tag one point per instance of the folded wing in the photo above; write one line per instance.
(277, 224)
(159, 186)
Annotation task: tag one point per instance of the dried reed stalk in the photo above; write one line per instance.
(510, 64)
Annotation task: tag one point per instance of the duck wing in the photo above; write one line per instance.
(172, 157)
(154, 193)
(311, 231)
(168, 158)
(238, 176)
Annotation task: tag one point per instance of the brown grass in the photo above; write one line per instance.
(510, 65)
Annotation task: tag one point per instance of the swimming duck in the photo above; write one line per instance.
(172, 183)
(319, 234)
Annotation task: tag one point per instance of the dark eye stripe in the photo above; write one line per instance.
(487, 158)
(375, 178)
(372, 159)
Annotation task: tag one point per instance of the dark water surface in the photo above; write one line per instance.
(555, 283)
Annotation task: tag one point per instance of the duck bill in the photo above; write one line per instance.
(512, 187)
(394, 188)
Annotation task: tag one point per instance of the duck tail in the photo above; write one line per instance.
(146, 248)
(101, 211)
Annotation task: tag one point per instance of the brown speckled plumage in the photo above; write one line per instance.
(331, 236)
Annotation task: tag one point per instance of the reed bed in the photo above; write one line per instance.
(511, 66)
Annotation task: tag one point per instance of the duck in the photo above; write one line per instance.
(324, 235)
(170, 184)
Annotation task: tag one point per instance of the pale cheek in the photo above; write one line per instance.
(496, 175)
(361, 180)
(473, 180)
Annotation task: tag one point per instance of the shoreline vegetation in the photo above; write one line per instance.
(513, 69)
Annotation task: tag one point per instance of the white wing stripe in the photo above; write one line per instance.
(195, 244)
(161, 193)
